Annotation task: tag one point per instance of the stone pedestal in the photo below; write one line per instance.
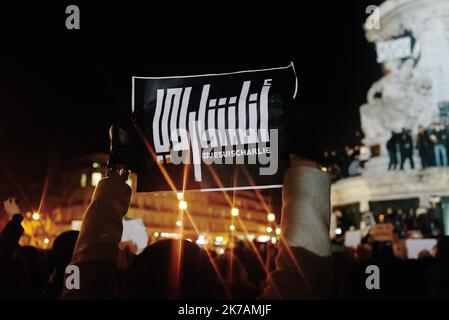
(379, 165)
(392, 185)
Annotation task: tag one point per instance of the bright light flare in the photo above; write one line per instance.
(182, 205)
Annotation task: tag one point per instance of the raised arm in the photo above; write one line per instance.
(304, 264)
(97, 249)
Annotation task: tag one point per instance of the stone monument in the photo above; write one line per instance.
(411, 93)
(412, 88)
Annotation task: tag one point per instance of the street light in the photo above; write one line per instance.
(36, 216)
(182, 205)
(234, 212)
(180, 195)
(278, 231)
(232, 227)
(269, 229)
(271, 217)
(179, 223)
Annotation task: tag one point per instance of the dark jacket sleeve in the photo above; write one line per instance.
(304, 264)
(10, 279)
(97, 248)
(10, 236)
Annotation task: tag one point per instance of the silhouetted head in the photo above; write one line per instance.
(154, 273)
(235, 277)
(63, 247)
(424, 254)
(61, 255)
(33, 267)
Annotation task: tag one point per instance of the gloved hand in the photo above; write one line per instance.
(126, 146)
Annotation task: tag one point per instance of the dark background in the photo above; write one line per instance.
(60, 89)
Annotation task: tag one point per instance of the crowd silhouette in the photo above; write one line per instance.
(303, 264)
(245, 271)
(343, 163)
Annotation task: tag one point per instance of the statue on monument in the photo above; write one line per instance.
(403, 98)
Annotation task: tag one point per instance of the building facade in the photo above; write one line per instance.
(207, 216)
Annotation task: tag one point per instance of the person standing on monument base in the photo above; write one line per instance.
(390, 217)
(406, 148)
(392, 152)
(423, 144)
(446, 133)
(438, 138)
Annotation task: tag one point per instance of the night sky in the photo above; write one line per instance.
(61, 89)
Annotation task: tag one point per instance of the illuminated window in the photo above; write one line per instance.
(83, 180)
(96, 177)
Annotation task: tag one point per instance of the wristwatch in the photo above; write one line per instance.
(124, 173)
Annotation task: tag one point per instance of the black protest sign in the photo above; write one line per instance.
(214, 131)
